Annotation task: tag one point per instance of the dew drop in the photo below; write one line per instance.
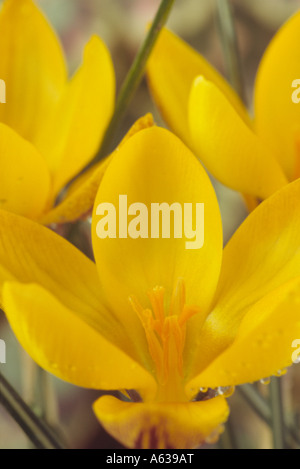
(204, 390)
(265, 381)
(212, 438)
(72, 368)
(54, 366)
(281, 372)
(226, 391)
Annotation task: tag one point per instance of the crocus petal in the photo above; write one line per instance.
(263, 344)
(75, 130)
(172, 68)
(25, 179)
(228, 147)
(32, 65)
(155, 167)
(79, 202)
(31, 253)
(262, 255)
(161, 425)
(81, 195)
(59, 340)
(277, 116)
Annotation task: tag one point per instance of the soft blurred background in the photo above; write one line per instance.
(122, 24)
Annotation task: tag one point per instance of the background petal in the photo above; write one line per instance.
(81, 195)
(161, 425)
(75, 130)
(172, 68)
(32, 65)
(277, 116)
(228, 147)
(62, 343)
(25, 179)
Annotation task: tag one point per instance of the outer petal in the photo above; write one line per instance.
(75, 130)
(32, 65)
(172, 68)
(228, 147)
(25, 179)
(261, 256)
(277, 116)
(81, 195)
(263, 344)
(30, 253)
(161, 425)
(155, 167)
(63, 344)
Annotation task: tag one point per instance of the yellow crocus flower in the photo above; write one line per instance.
(153, 319)
(50, 126)
(255, 158)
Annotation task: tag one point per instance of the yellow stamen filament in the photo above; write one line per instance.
(166, 334)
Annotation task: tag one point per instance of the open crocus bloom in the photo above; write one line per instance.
(50, 128)
(197, 103)
(153, 319)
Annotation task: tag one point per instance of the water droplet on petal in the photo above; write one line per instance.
(204, 390)
(281, 372)
(265, 381)
(213, 437)
(72, 368)
(226, 391)
(54, 366)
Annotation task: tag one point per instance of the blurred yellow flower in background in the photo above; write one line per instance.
(163, 324)
(256, 158)
(50, 127)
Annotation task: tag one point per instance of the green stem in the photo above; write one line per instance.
(263, 410)
(36, 430)
(135, 76)
(228, 440)
(277, 413)
(230, 46)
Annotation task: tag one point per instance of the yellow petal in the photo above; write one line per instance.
(59, 340)
(263, 344)
(172, 68)
(75, 130)
(261, 256)
(25, 179)
(161, 425)
(82, 193)
(79, 202)
(31, 253)
(277, 116)
(155, 167)
(32, 65)
(228, 147)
